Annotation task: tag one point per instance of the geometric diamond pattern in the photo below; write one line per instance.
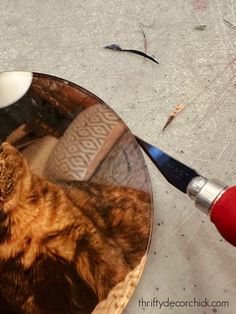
(80, 143)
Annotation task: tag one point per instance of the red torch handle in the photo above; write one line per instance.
(223, 214)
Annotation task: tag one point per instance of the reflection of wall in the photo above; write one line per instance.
(39, 116)
(13, 116)
(48, 108)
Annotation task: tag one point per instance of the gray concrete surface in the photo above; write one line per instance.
(188, 259)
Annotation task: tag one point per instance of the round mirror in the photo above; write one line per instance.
(76, 200)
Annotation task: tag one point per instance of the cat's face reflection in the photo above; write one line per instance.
(11, 169)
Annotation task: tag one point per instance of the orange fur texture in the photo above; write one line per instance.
(62, 248)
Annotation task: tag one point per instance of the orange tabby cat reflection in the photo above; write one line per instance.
(63, 248)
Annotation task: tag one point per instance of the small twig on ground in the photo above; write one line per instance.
(173, 114)
(142, 26)
(144, 37)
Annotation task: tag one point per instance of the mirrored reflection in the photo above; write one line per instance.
(76, 205)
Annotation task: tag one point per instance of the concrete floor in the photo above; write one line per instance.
(188, 259)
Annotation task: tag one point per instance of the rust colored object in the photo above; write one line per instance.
(173, 114)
